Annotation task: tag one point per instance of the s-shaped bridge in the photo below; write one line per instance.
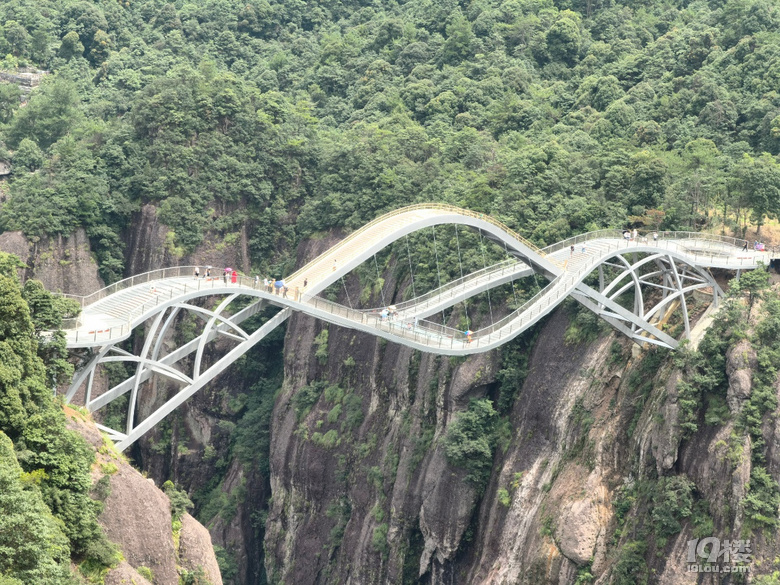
(676, 264)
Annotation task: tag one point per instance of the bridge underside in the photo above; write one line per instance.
(184, 367)
(639, 296)
(636, 295)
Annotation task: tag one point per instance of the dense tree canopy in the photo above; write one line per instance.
(282, 118)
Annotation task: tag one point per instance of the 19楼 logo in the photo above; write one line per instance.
(713, 555)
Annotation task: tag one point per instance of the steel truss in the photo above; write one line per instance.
(216, 323)
(659, 282)
(655, 272)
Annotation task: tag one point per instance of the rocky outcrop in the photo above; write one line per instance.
(137, 517)
(149, 248)
(196, 551)
(741, 362)
(124, 574)
(381, 503)
(60, 263)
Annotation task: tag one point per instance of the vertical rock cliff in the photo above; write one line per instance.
(604, 469)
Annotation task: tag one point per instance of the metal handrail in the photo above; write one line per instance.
(404, 328)
(493, 268)
(144, 277)
(416, 207)
(665, 235)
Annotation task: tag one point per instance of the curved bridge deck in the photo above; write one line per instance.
(111, 314)
(675, 265)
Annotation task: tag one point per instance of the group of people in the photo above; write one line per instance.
(633, 236)
(757, 246)
(228, 274)
(277, 286)
(389, 313)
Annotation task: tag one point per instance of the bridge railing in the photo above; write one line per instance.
(500, 268)
(574, 240)
(647, 235)
(541, 300)
(420, 330)
(334, 251)
(144, 277)
(425, 327)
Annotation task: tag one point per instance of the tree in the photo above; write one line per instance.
(459, 39)
(753, 283)
(101, 47)
(758, 179)
(10, 97)
(48, 115)
(563, 38)
(71, 46)
(471, 438)
(33, 547)
(28, 156)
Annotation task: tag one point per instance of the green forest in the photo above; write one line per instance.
(287, 118)
(48, 514)
(283, 119)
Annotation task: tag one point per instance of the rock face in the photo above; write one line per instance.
(147, 249)
(379, 502)
(137, 517)
(60, 263)
(360, 487)
(196, 551)
(124, 574)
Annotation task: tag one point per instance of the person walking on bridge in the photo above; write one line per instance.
(197, 272)
(234, 277)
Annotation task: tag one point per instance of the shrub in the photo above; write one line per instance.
(321, 341)
(470, 440)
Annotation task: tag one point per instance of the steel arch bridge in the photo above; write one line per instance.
(673, 266)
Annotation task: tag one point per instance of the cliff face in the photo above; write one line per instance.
(593, 482)
(137, 516)
(61, 263)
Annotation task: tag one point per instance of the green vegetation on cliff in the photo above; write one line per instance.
(267, 121)
(47, 516)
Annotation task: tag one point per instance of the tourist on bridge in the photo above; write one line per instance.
(234, 277)
(278, 284)
(635, 235)
(208, 272)
(655, 238)
(572, 250)
(257, 279)
(197, 272)
(226, 274)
